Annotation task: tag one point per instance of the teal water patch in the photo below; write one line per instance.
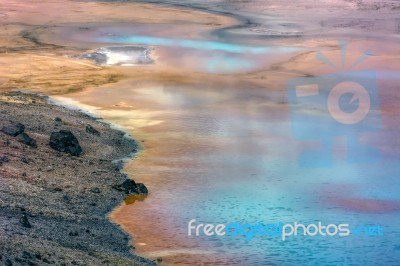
(223, 64)
(197, 44)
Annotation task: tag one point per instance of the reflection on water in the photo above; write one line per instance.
(212, 117)
(208, 56)
(221, 154)
(130, 199)
(211, 56)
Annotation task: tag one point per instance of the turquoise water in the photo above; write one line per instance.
(227, 155)
(223, 153)
(252, 175)
(195, 44)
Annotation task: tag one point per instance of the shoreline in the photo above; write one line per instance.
(34, 53)
(194, 124)
(55, 207)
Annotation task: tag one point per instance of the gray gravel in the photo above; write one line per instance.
(54, 206)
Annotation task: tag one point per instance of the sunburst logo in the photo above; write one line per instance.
(344, 103)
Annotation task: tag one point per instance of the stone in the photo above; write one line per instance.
(27, 140)
(3, 159)
(92, 130)
(65, 141)
(131, 187)
(13, 129)
(142, 189)
(25, 222)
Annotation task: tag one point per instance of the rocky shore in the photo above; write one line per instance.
(59, 178)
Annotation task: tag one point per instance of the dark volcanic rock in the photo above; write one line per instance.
(142, 188)
(92, 130)
(3, 159)
(130, 187)
(65, 141)
(25, 222)
(13, 129)
(27, 140)
(26, 255)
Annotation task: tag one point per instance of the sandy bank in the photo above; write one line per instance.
(53, 206)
